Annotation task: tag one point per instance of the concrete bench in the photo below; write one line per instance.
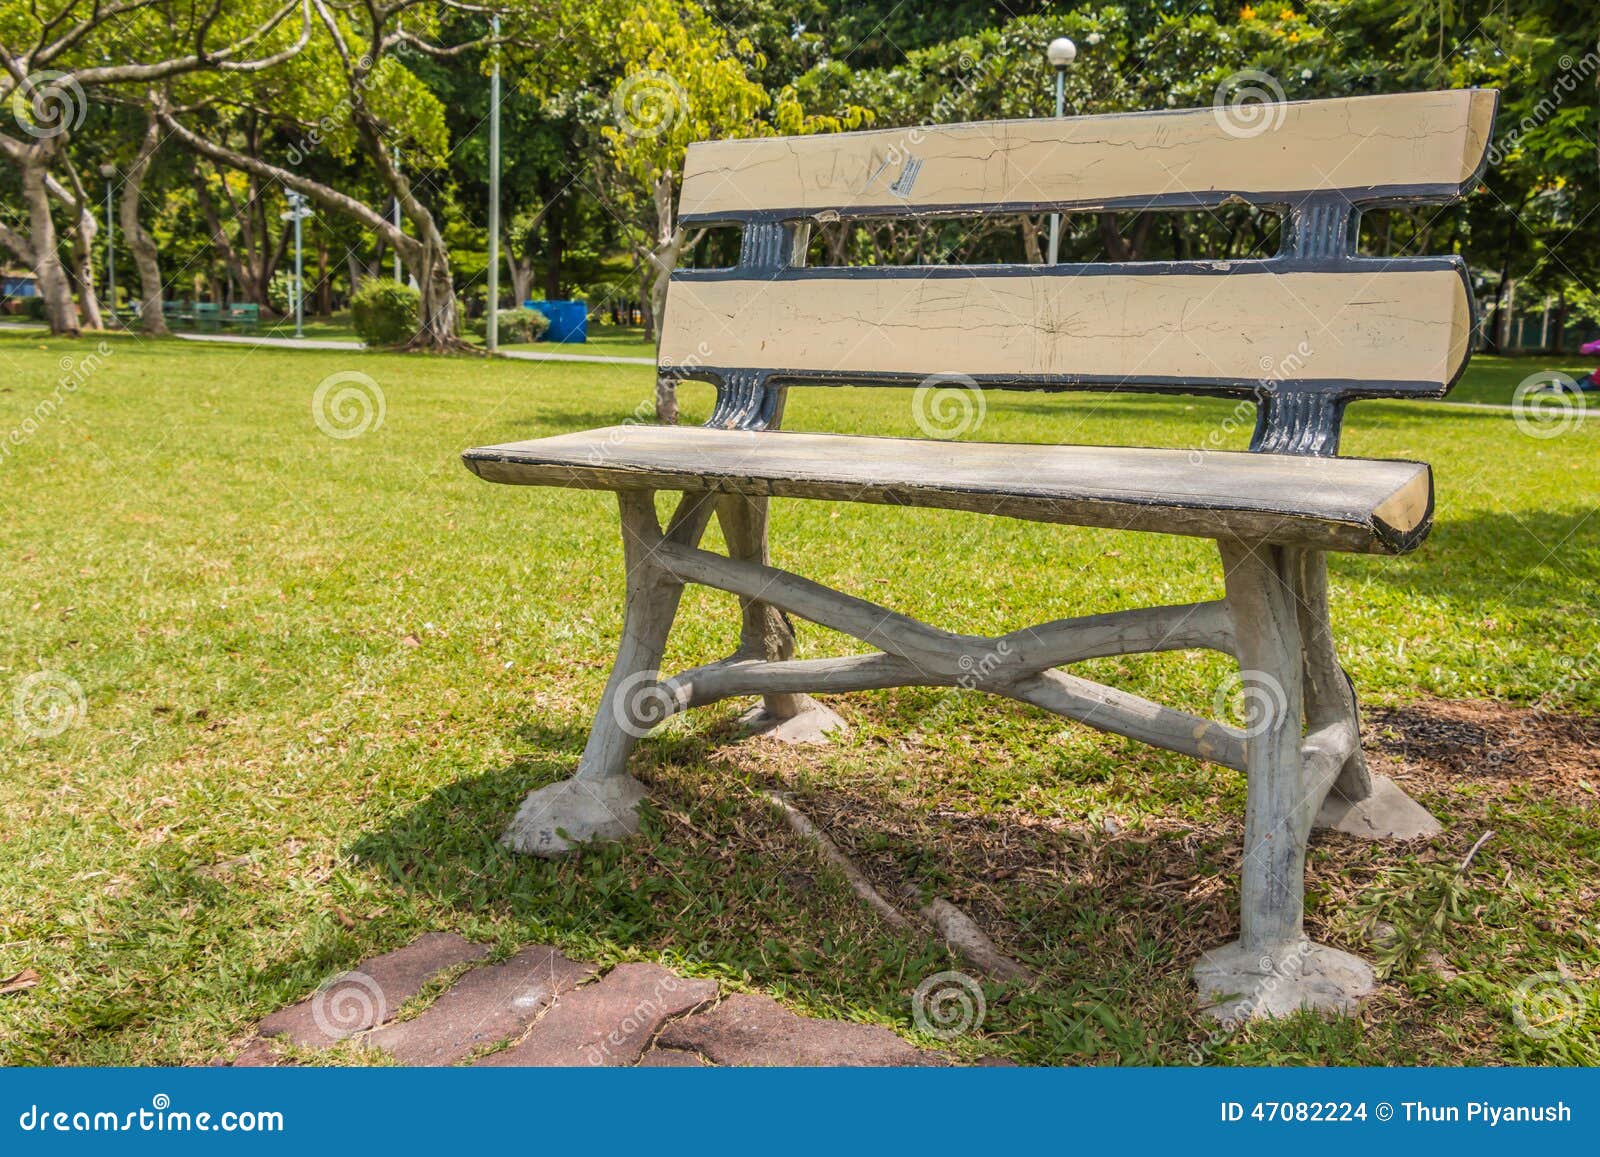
(1301, 333)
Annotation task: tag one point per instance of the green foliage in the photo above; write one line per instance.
(385, 312)
(33, 308)
(516, 325)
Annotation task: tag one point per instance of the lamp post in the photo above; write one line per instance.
(109, 172)
(298, 212)
(492, 331)
(396, 153)
(1061, 52)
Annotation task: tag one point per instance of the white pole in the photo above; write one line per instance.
(1060, 53)
(295, 203)
(1055, 218)
(494, 196)
(397, 216)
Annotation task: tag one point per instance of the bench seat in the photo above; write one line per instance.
(1344, 504)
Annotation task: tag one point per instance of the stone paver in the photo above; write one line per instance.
(757, 1030)
(608, 1023)
(671, 1059)
(486, 1005)
(637, 1014)
(369, 994)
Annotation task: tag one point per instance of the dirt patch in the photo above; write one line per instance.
(1440, 742)
(1095, 901)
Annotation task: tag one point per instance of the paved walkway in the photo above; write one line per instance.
(604, 359)
(287, 343)
(315, 343)
(540, 1009)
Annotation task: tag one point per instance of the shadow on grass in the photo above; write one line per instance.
(716, 885)
(1523, 562)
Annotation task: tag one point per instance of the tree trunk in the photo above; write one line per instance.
(84, 230)
(146, 257)
(53, 285)
(521, 278)
(83, 266)
(647, 315)
(1031, 227)
(557, 251)
(356, 270)
(219, 234)
(1111, 237)
(438, 323)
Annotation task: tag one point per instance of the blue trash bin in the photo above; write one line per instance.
(569, 320)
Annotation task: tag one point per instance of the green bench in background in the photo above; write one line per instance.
(245, 317)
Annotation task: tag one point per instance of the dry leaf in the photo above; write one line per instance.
(21, 982)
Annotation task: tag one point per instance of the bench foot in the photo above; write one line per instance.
(812, 723)
(555, 820)
(1236, 983)
(1386, 814)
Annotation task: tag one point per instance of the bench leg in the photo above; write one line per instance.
(765, 634)
(601, 800)
(1273, 969)
(1356, 802)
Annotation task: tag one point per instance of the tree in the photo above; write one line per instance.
(53, 62)
(681, 82)
(359, 98)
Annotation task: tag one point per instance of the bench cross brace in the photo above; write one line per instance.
(1300, 750)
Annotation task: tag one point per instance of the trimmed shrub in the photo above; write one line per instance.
(516, 325)
(385, 312)
(33, 308)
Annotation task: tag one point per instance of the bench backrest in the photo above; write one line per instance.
(1303, 331)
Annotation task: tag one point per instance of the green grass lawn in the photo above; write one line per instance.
(318, 673)
(606, 340)
(335, 328)
(1494, 379)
